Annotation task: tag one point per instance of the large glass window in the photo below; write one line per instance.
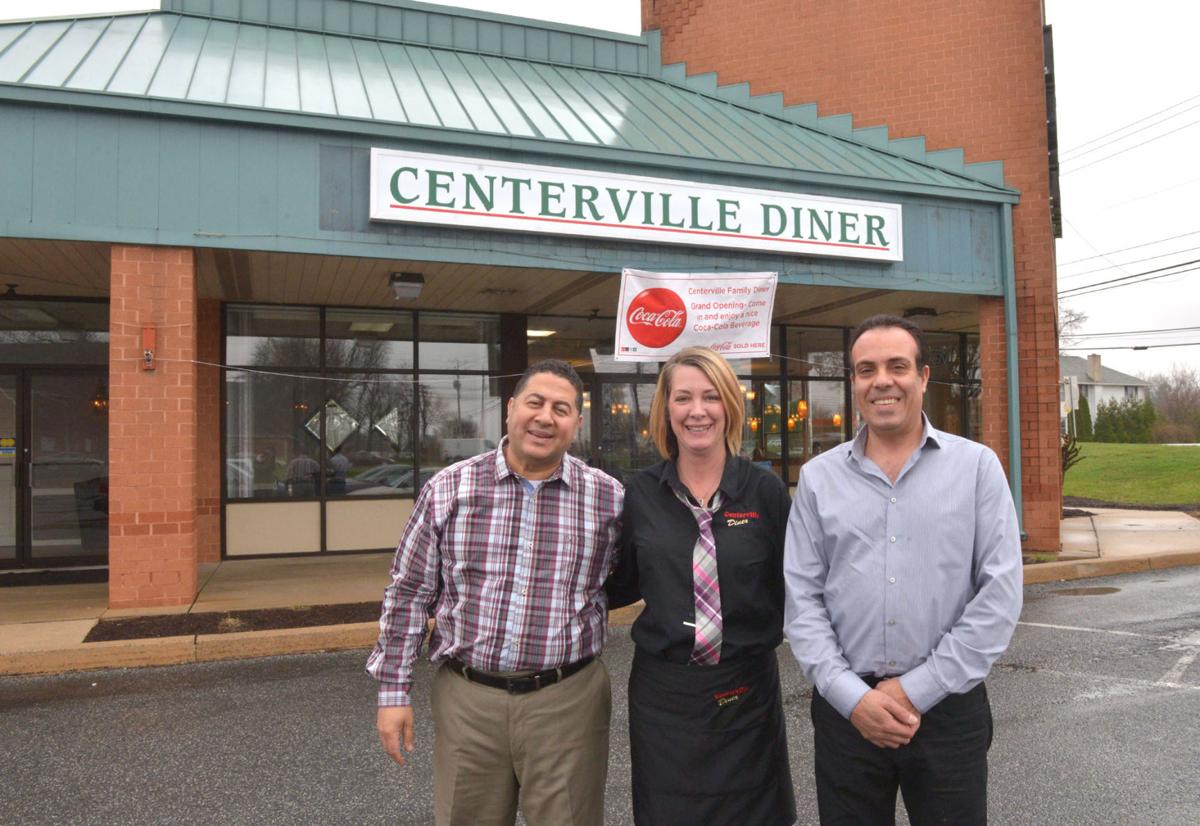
(273, 337)
(459, 342)
(53, 332)
(353, 405)
(816, 351)
(368, 340)
(460, 417)
(272, 435)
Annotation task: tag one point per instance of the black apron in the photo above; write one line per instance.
(708, 744)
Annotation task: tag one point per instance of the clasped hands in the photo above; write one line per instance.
(885, 716)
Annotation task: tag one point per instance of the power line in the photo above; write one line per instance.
(1127, 263)
(1129, 148)
(1135, 332)
(1131, 283)
(1126, 249)
(1088, 287)
(1132, 123)
(1098, 147)
(1137, 346)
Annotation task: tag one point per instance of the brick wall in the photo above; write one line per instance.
(963, 73)
(152, 429)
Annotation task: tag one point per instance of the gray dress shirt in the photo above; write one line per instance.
(921, 578)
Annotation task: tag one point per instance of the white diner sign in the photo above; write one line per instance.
(660, 313)
(475, 192)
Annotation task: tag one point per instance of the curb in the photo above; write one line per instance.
(191, 649)
(281, 641)
(1088, 568)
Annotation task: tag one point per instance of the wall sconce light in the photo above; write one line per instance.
(406, 286)
(100, 400)
(801, 410)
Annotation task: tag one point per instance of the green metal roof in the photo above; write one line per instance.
(500, 79)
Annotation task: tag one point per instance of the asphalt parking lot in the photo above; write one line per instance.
(1095, 707)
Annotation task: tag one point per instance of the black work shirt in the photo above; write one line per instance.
(655, 563)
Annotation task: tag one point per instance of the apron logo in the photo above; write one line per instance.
(724, 698)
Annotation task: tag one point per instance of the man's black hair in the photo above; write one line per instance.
(884, 320)
(555, 367)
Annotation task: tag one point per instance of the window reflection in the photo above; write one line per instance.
(375, 456)
(368, 340)
(460, 417)
(624, 445)
(53, 332)
(815, 421)
(459, 342)
(272, 336)
(816, 351)
(270, 450)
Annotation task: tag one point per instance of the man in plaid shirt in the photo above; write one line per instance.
(508, 552)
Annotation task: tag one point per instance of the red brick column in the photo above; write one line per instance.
(961, 73)
(993, 368)
(208, 432)
(152, 429)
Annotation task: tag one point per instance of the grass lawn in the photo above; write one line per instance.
(1138, 474)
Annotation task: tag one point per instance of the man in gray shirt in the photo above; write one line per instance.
(903, 573)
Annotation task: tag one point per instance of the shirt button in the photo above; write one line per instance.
(891, 662)
(891, 622)
(893, 500)
(893, 539)
(892, 580)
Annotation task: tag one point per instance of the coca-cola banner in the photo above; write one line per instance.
(480, 192)
(660, 313)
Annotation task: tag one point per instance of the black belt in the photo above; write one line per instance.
(518, 685)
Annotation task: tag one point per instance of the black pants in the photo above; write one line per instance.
(942, 773)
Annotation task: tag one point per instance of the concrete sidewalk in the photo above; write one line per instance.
(42, 627)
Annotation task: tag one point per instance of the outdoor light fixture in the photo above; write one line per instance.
(801, 410)
(406, 286)
(540, 333)
(837, 419)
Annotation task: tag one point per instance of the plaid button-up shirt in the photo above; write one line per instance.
(513, 575)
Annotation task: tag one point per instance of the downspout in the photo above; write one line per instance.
(1010, 350)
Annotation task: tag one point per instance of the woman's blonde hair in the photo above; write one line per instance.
(714, 366)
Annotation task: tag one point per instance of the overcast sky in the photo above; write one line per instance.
(1128, 87)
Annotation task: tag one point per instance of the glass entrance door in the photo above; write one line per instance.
(621, 434)
(10, 500)
(67, 473)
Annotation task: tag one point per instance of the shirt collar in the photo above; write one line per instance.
(930, 435)
(565, 470)
(729, 477)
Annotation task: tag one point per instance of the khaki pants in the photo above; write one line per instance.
(548, 747)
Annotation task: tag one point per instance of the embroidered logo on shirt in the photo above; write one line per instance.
(724, 698)
(735, 518)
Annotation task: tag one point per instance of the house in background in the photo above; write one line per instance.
(1100, 384)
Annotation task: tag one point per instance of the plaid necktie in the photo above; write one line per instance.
(706, 589)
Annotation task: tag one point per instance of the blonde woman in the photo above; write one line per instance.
(702, 544)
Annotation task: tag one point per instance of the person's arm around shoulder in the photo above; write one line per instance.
(966, 652)
(407, 603)
(622, 586)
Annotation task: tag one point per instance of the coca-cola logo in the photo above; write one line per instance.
(656, 317)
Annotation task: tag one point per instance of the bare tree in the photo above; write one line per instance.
(1176, 396)
(1070, 323)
